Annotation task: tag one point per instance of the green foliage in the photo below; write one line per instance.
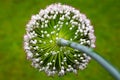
(14, 15)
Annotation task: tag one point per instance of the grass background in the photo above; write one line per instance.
(14, 15)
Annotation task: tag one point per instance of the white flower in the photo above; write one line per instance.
(54, 22)
(29, 54)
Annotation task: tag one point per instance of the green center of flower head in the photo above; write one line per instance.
(43, 31)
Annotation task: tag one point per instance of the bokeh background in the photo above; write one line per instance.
(14, 15)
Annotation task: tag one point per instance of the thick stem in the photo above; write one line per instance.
(91, 53)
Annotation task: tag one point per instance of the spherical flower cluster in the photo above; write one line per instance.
(44, 29)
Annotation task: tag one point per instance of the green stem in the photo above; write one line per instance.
(91, 53)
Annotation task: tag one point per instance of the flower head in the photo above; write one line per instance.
(54, 22)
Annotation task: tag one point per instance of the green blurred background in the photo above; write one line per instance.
(14, 15)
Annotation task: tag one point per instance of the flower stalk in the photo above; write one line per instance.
(91, 53)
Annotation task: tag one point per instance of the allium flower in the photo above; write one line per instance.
(43, 30)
